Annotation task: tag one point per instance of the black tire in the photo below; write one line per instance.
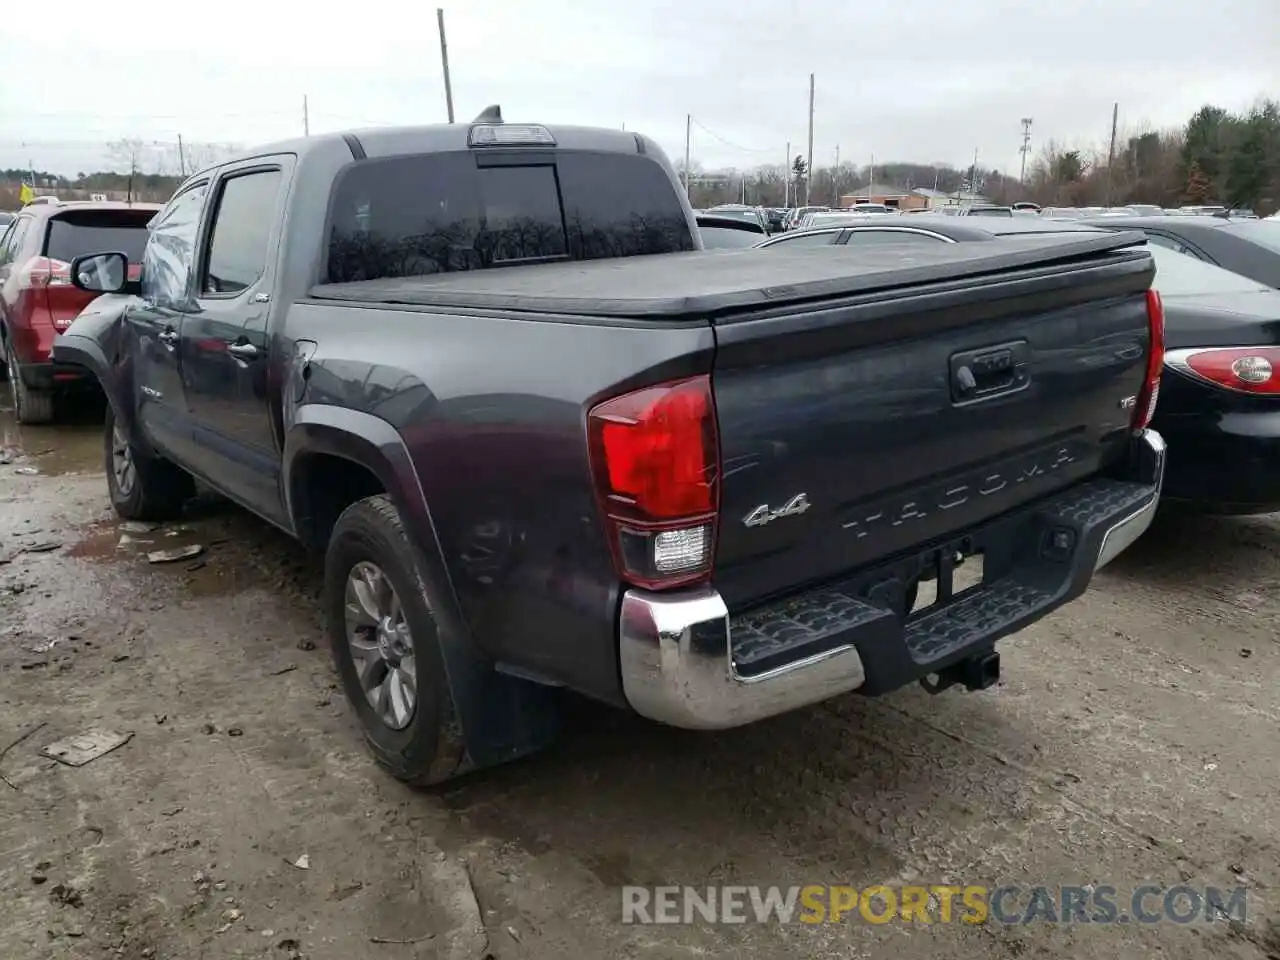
(158, 489)
(425, 749)
(29, 406)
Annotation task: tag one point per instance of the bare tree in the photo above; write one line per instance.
(201, 155)
(129, 153)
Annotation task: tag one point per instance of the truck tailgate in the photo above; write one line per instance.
(854, 430)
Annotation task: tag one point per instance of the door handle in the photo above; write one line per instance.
(245, 351)
(168, 336)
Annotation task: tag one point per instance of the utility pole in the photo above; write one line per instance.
(808, 179)
(688, 134)
(786, 178)
(1025, 148)
(973, 177)
(871, 175)
(306, 117)
(835, 180)
(444, 63)
(182, 159)
(1111, 153)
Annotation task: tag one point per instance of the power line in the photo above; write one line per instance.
(18, 118)
(727, 143)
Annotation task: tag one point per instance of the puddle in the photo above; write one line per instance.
(240, 552)
(72, 445)
(99, 543)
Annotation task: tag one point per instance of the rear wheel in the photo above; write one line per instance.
(29, 405)
(384, 639)
(141, 487)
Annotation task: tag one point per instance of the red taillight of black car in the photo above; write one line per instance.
(1254, 370)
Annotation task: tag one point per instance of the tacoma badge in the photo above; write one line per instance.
(762, 514)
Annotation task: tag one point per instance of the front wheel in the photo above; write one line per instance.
(384, 639)
(141, 487)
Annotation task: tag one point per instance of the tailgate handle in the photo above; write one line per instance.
(990, 371)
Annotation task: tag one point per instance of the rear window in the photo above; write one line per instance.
(1177, 273)
(1265, 233)
(718, 238)
(438, 213)
(748, 215)
(72, 235)
(991, 212)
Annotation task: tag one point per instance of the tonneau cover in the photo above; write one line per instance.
(708, 283)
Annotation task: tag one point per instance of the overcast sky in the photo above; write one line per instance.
(920, 80)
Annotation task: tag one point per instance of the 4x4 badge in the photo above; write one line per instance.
(763, 514)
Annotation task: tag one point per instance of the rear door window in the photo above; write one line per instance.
(73, 234)
(238, 246)
(438, 213)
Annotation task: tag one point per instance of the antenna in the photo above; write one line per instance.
(490, 114)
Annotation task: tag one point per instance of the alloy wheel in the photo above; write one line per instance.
(381, 645)
(123, 468)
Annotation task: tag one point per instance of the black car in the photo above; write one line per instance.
(1219, 406)
(1247, 247)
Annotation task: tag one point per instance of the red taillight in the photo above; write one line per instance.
(1145, 408)
(1243, 369)
(656, 459)
(45, 272)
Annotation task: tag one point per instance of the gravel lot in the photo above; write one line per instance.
(1132, 740)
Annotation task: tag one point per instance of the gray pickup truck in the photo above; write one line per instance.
(544, 440)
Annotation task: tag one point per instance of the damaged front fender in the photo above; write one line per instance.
(94, 341)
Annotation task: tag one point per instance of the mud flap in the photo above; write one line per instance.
(493, 717)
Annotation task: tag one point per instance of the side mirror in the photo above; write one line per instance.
(100, 272)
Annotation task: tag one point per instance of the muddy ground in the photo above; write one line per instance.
(1133, 739)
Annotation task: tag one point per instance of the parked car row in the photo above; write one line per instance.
(1146, 210)
(707, 486)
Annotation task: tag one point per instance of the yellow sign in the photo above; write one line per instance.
(26, 195)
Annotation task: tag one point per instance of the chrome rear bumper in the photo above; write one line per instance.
(675, 648)
(1150, 451)
(676, 667)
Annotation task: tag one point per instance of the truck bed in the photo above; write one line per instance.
(718, 283)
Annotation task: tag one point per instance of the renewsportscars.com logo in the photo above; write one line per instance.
(937, 903)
